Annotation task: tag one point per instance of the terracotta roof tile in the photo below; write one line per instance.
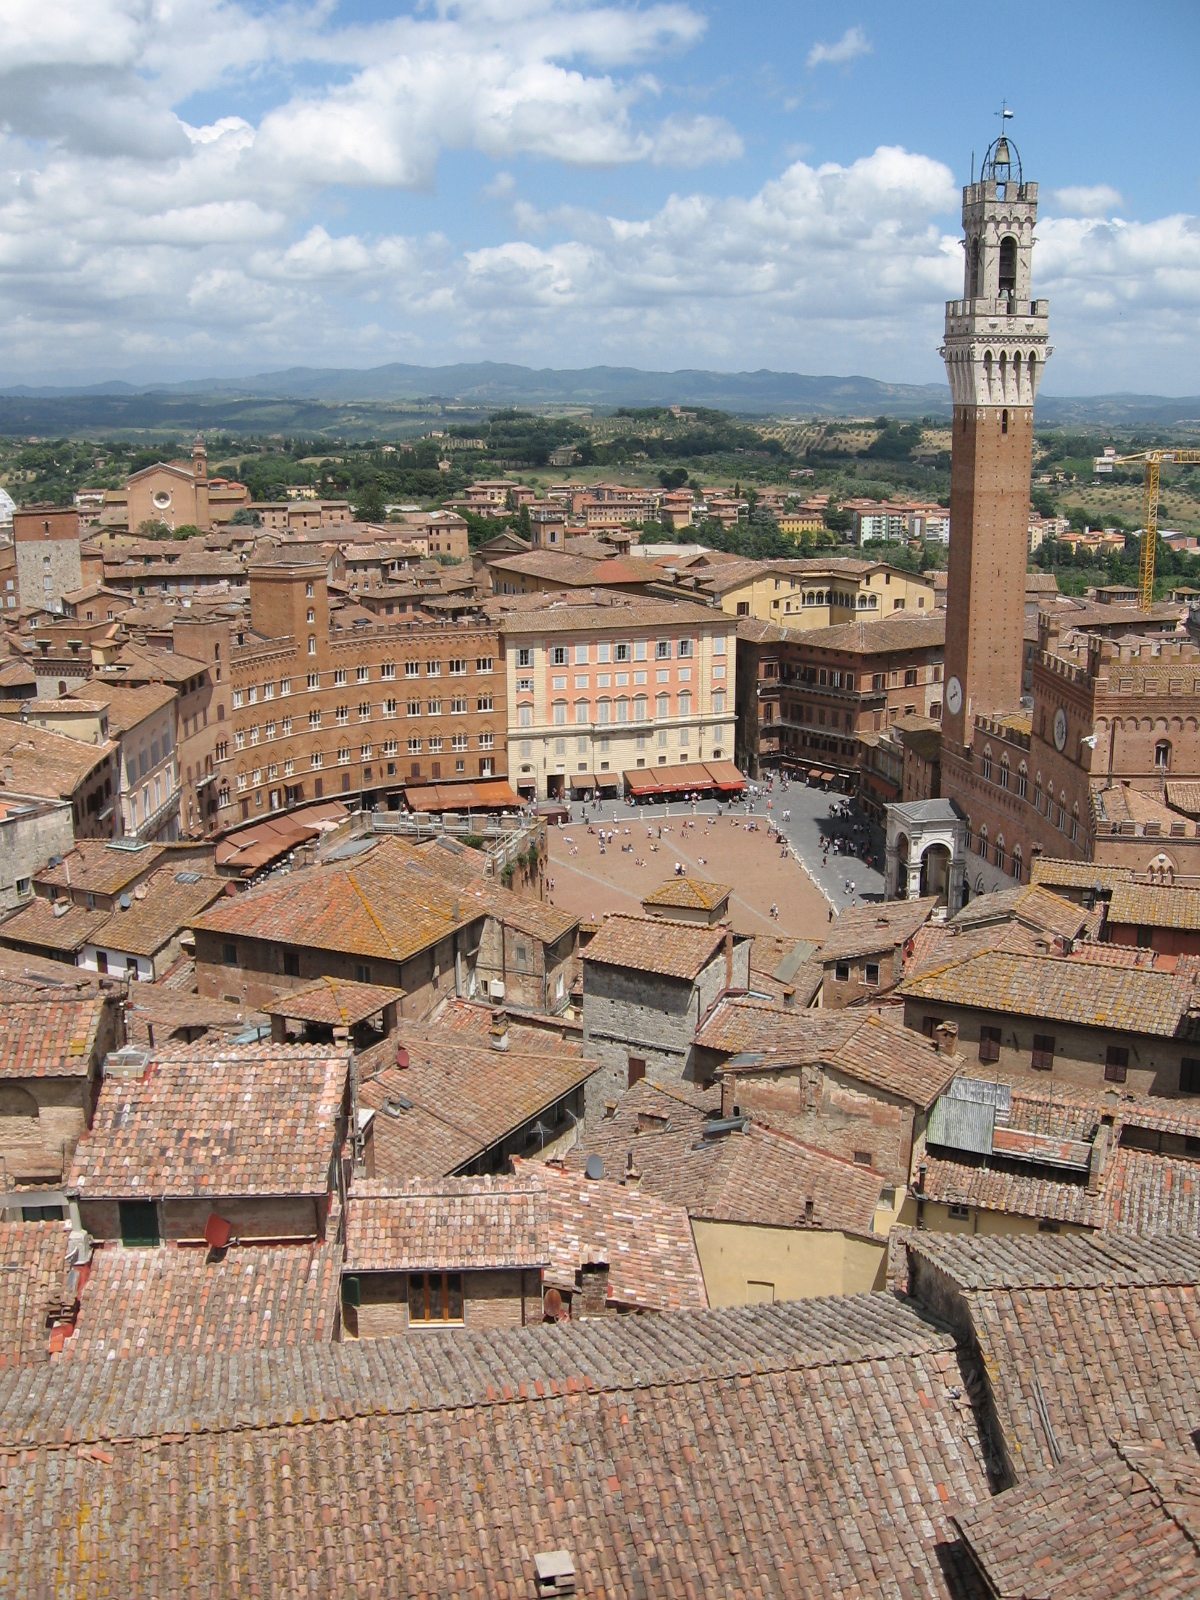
(1118, 1523)
(655, 944)
(46, 762)
(168, 1300)
(1052, 873)
(1134, 1001)
(206, 1120)
(454, 1100)
(1102, 1326)
(654, 1430)
(34, 1288)
(100, 866)
(335, 1002)
(1154, 905)
(452, 1224)
(50, 1037)
(388, 904)
(36, 924)
(694, 893)
(865, 929)
(164, 905)
(754, 1174)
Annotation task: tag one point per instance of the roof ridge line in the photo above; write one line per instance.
(383, 934)
(528, 1391)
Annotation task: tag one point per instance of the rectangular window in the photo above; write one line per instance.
(1116, 1063)
(435, 1297)
(685, 649)
(558, 655)
(872, 972)
(525, 656)
(483, 663)
(1189, 1075)
(637, 1070)
(1042, 1059)
(139, 1222)
(841, 972)
(910, 677)
(662, 650)
(989, 1044)
(285, 686)
(229, 955)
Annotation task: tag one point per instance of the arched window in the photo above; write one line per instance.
(975, 286)
(1000, 853)
(983, 843)
(1075, 824)
(1018, 862)
(1004, 770)
(1008, 264)
(1004, 421)
(1022, 780)
(968, 833)
(1162, 755)
(1037, 793)
(1062, 810)
(987, 763)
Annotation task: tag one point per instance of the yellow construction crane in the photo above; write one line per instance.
(1153, 460)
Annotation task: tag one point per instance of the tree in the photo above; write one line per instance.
(153, 528)
(838, 521)
(524, 526)
(243, 517)
(673, 477)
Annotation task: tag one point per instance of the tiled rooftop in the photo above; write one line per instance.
(451, 1224)
(1049, 988)
(816, 1447)
(625, 614)
(34, 1287)
(207, 1120)
(755, 1175)
(905, 630)
(1101, 1326)
(98, 866)
(655, 944)
(871, 1047)
(529, 1033)
(169, 1301)
(1118, 1523)
(1052, 873)
(335, 1002)
(128, 705)
(695, 894)
(49, 1036)
(865, 930)
(1153, 905)
(387, 904)
(36, 924)
(169, 901)
(462, 1099)
(1030, 904)
(46, 762)
(646, 1242)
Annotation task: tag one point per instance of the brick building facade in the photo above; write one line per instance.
(319, 711)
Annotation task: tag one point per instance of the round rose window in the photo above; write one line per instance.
(162, 498)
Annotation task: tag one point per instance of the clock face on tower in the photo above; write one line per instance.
(953, 696)
(1060, 728)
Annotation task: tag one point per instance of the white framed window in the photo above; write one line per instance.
(458, 705)
(387, 671)
(483, 664)
(487, 741)
(458, 667)
(314, 680)
(414, 747)
(286, 727)
(317, 759)
(525, 716)
(458, 742)
(339, 677)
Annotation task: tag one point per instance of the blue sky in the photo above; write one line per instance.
(195, 187)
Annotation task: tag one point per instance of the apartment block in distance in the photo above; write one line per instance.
(598, 689)
(319, 711)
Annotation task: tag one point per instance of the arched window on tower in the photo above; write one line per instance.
(1004, 422)
(1008, 264)
(1018, 861)
(1022, 780)
(975, 286)
(1162, 755)
(987, 763)
(1000, 853)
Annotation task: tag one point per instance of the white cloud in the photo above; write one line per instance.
(1096, 200)
(849, 47)
(133, 239)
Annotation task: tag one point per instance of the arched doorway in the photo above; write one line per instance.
(900, 888)
(935, 871)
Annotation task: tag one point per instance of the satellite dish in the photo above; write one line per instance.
(125, 902)
(552, 1305)
(594, 1169)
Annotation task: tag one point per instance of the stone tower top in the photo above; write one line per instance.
(996, 334)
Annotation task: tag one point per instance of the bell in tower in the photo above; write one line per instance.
(995, 348)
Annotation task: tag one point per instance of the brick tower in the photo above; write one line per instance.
(994, 352)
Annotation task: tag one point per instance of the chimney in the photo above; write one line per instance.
(594, 1295)
(728, 1090)
(921, 1171)
(499, 1034)
(789, 998)
(633, 1177)
(945, 1039)
(729, 958)
(1098, 1157)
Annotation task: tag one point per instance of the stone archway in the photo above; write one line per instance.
(936, 860)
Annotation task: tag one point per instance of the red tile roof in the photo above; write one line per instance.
(212, 1121)
(50, 1037)
(452, 1224)
(334, 1002)
(810, 1448)
(35, 1286)
(655, 944)
(168, 1300)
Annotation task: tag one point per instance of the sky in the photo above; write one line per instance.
(220, 187)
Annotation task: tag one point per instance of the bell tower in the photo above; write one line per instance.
(995, 348)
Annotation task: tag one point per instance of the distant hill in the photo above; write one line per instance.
(325, 400)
